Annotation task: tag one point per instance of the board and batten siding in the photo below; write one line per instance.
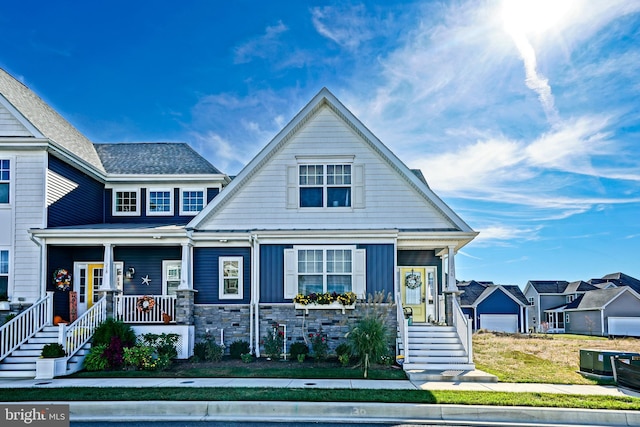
(206, 274)
(29, 171)
(325, 135)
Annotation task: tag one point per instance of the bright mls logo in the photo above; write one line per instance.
(35, 415)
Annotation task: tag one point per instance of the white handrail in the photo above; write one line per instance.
(403, 325)
(74, 336)
(18, 330)
(463, 327)
(129, 310)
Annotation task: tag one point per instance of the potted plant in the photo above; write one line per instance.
(52, 361)
(4, 302)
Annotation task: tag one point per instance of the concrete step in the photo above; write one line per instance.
(437, 359)
(414, 365)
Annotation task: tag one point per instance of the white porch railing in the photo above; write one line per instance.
(403, 327)
(74, 336)
(464, 328)
(25, 325)
(128, 310)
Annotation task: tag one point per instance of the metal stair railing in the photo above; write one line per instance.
(25, 325)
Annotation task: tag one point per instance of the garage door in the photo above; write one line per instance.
(624, 326)
(499, 322)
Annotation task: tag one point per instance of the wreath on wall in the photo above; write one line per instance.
(145, 304)
(413, 280)
(62, 279)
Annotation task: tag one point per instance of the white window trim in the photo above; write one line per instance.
(148, 201)
(115, 192)
(12, 179)
(165, 276)
(221, 294)
(8, 273)
(326, 186)
(192, 213)
(358, 270)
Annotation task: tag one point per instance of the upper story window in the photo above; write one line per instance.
(192, 201)
(570, 298)
(531, 301)
(325, 185)
(4, 272)
(160, 202)
(5, 175)
(126, 202)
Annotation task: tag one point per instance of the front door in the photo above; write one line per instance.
(417, 286)
(88, 279)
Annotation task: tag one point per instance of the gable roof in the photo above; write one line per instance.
(153, 158)
(548, 286)
(47, 121)
(599, 298)
(621, 279)
(476, 292)
(326, 98)
(579, 286)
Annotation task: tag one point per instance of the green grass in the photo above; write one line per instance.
(71, 394)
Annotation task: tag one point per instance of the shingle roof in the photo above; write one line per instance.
(471, 292)
(622, 279)
(549, 286)
(48, 122)
(516, 292)
(153, 158)
(579, 286)
(594, 300)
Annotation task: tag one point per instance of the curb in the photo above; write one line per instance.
(345, 412)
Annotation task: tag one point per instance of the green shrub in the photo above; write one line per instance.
(369, 340)
(247, 357)
(274, 342)
(114, 328)
(298, 348)
(8, 317)
(94, 360)
(208, 350)
(53, 350)
(163, 344)
(146, 358)
(319, 345)
(343, 349)
(238, 348)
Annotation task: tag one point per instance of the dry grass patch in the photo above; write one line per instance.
(540, 358)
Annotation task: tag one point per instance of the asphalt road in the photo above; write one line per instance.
(243, 424)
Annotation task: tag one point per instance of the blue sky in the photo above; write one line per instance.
(523, 115)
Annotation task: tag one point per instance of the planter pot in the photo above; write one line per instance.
(5, 306)
(48, 368)
(333, 306)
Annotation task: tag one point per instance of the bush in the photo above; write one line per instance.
(163, 345)
(114, 353)
(369, 337)
(274, 342)
(53, 350)
(146, 358)
(343, 349)
(297, 349)
(114, 328)
(319, 345)
(238, 348)
(208, 350)
(94, 360)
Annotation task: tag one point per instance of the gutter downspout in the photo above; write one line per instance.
(255, 293)
(43, 267)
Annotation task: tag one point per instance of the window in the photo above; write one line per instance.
(570, 298)
(317, 269)
(325, 185)
(531, 301)
(230, 278)
(4, 272)
(5, 175)
(171, 276)
(566, 318)
(160, 202)
(192, 202)
(126, 202)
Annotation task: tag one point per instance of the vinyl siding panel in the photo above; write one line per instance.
(498, 303)
(206, 274)
(73, 197)
(626, 305)
(584, 323)
(419, 258)
(148, 262)
(65, 256)
(29, 212)
(386, 193)
(10, 126)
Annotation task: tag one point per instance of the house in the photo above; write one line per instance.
(153, 234)
(501, 308)
(604, 312)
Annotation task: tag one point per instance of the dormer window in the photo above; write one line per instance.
(570, 298)
(325, 185)
(160, 202)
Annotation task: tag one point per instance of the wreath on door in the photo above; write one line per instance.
(412, 280)
(145, 304)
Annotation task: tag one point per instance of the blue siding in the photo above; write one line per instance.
(83, 205)
(417, 258)
(380, 271)
(206, 274)
(272, 273)
(146, 261)
(497, 303)
(65, 256)
(143, 218)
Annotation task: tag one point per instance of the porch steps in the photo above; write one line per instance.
(21, 363)
(436, 349)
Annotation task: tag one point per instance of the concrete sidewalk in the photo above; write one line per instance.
(318, 383)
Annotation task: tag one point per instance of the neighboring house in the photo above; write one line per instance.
(500, 308)
(153, 234)
(617, 279)
(604, 312)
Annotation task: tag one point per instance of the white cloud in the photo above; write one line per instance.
(262, 46)
(347, 26)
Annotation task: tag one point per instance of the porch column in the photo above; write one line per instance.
(185, 267)
(451, 290)
(107, 276)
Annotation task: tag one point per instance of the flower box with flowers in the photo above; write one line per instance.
(325, 301)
